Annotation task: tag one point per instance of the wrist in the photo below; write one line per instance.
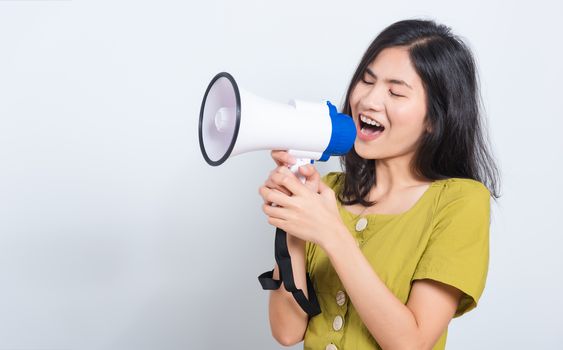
(339, 236)
(294, 241)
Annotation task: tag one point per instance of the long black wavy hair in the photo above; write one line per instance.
(457, 145)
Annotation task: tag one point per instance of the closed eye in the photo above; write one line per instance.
(394, 94)
(390, 91)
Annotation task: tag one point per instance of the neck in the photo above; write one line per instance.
(394, 175)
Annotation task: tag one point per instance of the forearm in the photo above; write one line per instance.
(287, 320)
(389, 321)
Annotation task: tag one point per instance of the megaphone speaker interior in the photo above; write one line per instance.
(219, 119)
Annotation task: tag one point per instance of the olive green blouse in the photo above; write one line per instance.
(444, 236)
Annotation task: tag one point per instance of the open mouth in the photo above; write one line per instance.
(369, 127)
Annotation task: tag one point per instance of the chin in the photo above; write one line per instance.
(366, 154)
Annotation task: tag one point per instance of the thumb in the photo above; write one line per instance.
(307, 170)
(324, 190)
(312, 177)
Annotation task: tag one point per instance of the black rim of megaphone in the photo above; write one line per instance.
(235, 133)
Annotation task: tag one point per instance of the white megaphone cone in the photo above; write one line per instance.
(234, 121)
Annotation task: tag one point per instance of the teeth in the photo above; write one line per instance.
(369, 121)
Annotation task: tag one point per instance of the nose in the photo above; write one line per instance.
(373, 99)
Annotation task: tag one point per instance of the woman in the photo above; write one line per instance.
(397, 244)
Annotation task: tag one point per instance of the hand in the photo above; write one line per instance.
(308, 211)
(284, 159)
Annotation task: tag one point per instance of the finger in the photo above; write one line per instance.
(284, 170)
(270, 184)
(275, 212)
(278, 223)
(275, 156)
(274, 203)
(282, 157)
(273, 196)
(273, 186)
(324, 190)
(312, 177)
(289, 181)
(307, 170)
(323, 187)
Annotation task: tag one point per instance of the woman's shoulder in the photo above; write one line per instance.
(461, 194)
(458, 186)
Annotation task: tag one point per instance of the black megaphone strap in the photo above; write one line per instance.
(311, 306)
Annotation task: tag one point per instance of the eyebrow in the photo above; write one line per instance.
(391, 81)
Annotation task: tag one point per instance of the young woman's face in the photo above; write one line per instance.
(391, 93)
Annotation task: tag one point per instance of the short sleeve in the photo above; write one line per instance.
(457, 252)
(332, 179)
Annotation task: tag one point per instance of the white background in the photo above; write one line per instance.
(114, 232)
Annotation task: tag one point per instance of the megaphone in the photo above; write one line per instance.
(234, 121)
